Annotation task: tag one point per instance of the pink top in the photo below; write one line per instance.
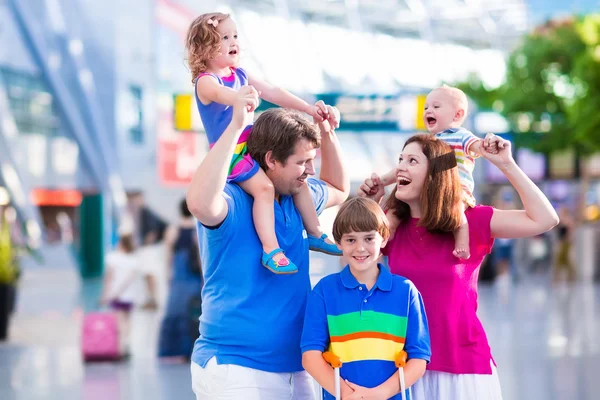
(449, 289)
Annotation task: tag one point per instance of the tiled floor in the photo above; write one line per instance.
(545, 340)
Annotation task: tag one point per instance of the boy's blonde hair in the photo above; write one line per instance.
(459, 98)
(360, 215)
(203, 42)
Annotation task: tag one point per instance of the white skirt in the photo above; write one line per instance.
(435, 385)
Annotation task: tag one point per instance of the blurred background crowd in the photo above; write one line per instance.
(99, 138)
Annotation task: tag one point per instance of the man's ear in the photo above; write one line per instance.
(460, 113)
(269, 160)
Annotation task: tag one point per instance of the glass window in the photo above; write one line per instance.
(31, 103)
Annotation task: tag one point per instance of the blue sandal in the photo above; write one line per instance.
(283, 266)
(319, 244)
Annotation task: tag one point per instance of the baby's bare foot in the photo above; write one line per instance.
(461, 252)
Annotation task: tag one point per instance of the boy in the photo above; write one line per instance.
(445, 111)
(364, 315)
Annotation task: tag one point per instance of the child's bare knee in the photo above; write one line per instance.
(265, 191)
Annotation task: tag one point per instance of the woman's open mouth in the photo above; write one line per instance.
(402, 181)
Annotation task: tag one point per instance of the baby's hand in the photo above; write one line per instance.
(492, 143)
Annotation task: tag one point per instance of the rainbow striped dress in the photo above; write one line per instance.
(366, 328)
(216, 117)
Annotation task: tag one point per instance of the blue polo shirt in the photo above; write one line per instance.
(251, 316)
(366, 328)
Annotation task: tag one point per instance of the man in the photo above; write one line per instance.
(249, 344)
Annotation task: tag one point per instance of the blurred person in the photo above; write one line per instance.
(123, 279)
(213, 55)
(249, 344)
(445, 111)
(149, 228)
(66, 227)
(427, 202)
(563, 262)
(394, 322)
(179, 327)
(538, 254)
(502, 251)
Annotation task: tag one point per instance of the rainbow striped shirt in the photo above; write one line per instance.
(461, 140)
(366, 328)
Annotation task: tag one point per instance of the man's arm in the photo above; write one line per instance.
(333, 172)
(205, 194)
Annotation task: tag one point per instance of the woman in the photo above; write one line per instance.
(562, 259)
(179, 326)
(425, 200)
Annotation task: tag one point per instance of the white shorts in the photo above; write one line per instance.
(435, 385)
(229, 382)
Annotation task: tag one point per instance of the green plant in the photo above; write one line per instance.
(9, 266)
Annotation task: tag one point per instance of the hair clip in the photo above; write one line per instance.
(213, 22)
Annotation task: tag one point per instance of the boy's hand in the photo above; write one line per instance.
(364, 393)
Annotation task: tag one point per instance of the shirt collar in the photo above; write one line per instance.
(384, 280)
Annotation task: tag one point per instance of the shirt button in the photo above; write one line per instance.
(360, 288)
(365, 300)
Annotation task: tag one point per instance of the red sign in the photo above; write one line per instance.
(177, 158)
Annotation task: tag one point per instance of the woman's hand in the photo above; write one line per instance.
(496, 150)
(372, 188)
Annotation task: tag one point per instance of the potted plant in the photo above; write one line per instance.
(9, 275)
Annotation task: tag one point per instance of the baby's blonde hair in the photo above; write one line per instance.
(203, 42)
(459, 98)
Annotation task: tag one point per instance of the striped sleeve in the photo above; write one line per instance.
(467, 140)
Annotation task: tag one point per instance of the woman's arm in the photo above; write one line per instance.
(538, 215)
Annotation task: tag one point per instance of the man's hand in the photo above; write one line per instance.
(316, 113)
(244, 106)
(330, 117)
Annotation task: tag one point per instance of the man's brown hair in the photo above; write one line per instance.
(360, 215)
(441, 193)
(203, 42)
(279, 130)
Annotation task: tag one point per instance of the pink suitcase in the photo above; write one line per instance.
(100, 338)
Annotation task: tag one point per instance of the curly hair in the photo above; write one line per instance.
(203, 42)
